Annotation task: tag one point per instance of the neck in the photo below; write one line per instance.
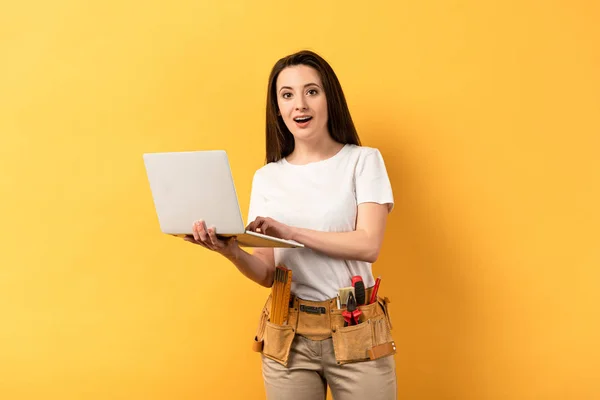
(307, 151)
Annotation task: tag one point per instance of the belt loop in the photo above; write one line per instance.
(293, 314)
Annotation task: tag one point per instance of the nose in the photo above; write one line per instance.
(301, 103)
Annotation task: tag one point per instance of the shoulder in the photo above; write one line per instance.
(267, 171)
(367, 161)
(362, 153)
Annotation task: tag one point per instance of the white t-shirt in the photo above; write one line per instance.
(322, 196)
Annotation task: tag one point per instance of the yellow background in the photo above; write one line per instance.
(486, 112)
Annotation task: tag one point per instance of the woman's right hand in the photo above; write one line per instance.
(207, 237)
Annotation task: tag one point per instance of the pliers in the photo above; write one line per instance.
(352, 313)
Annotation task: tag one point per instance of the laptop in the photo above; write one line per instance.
(193, 185)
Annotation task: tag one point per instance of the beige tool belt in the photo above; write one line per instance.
(318, 320)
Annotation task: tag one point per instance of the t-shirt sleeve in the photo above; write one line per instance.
(257, 206)
(372, 181)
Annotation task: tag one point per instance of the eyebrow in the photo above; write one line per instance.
(307, 85)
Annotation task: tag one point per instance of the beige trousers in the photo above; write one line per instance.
(312, 367)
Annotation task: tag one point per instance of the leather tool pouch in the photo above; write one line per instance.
(274, 340)
(369, 340)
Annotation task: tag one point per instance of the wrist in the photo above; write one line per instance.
(233, 254)
(294, 231)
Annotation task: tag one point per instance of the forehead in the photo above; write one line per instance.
(298, 76)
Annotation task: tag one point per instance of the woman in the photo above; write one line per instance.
(321, 188)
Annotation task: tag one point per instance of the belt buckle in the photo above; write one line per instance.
(312, 309)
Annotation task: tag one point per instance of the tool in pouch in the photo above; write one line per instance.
(359, 332)
(351, 314)
(344, 293)
(360, 293)
(355, 298)
(375, 290)
(280, 293)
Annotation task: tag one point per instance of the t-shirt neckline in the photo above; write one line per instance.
(320, 162)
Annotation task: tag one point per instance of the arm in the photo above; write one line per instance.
(362, 244)
(259, 266)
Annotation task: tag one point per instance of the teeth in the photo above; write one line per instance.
(302, 119)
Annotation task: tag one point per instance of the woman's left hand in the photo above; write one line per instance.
(268, 226)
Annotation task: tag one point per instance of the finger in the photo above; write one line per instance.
(195, 229)
(213, 238)
(190, 239)
(207, 241)
(203, 235)
(265, 228)
(262, 226)
(258, 222)
(254, 224)
(197, 225)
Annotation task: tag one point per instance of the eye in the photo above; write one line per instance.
(286, 95)
(312, 92)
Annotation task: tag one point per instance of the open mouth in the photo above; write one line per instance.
(301, 120)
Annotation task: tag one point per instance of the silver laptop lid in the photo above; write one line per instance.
(187, 186)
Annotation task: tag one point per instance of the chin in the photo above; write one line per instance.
(310, 133)
(304, 135)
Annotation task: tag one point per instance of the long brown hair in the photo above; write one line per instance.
(280, 141)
